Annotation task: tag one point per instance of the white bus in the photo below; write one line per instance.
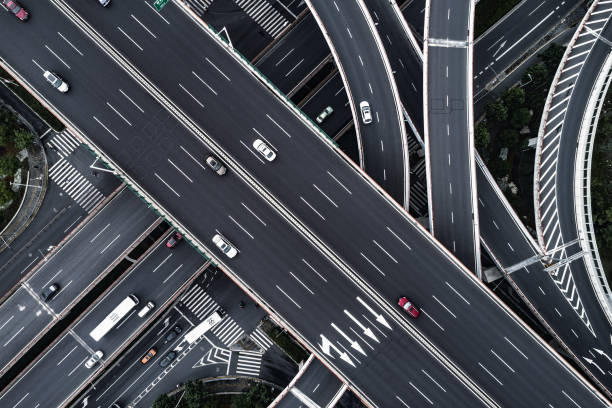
(203, 327)
(114, 317)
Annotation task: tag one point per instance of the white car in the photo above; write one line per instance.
(224, 245)
(55, 81)
(264, 150)
(95, 357)
(366, 113)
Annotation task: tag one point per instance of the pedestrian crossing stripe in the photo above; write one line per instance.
(69, 179)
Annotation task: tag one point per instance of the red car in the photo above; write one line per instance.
(16, 9)
(408, 307)
(174, 239)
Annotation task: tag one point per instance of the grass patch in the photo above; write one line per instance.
(33, 103)
(285, 341)
(488, 12)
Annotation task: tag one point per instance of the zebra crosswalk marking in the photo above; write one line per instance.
(261, 339)
(265, 15)
(75, 185)
(249, 363)
(199, 6)
(228, 331)
(64, 143)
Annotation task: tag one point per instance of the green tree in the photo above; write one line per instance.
(6, 194)
(258, 395)
(22, 139)
(539, 75)
(195, 396)
(164, 401)
(508, 138)
(514, 98)
(8, 165)
(4, 134)
(520, 118)
(481, 136)
(498, 167)
(496, 112)
(552, 56)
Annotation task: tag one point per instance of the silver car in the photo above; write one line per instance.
(366, 113)
(264, 150)
(216, 165)
(225, 246)
(56, 82)
(95, 357)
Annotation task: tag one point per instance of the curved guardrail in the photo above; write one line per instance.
(547, 150)
(582, 188)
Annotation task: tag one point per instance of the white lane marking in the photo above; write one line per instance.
(57, 56)
(494, 223)
(38, 65)
(349, 33)
(130, 38)
(432, 379)
(402, 401)
(144, 26)
(301, 283)
(193, 158)
(130, 99)
(279, 126)
(360, 60)
(516, 348)
(312, 208)
(420, 392)
(161, 263)
(373, 325)
(325, 195)
(105, 128)
(480, 201)
(77, 366)
(71, 44)
(97, 235)
(167, 185)
(14, 335)
(524, 36)
(314, 270)
(500, 359)
(294, 67)
(204, 82)
(22, 398)
(385, 251)
(458, 294)
(156, 12)
(373, 265)
(217, 68)
(400, 240)
(179, 170)
(252, 152)
(338, 181)
(572, 330)
(240, 226)
(173, 272)
(106, 247)
(558, 312)
(118, 113)
(444, 306)
(282, 59)
(371, 91)
(490, 373)
(190, 94)
(5, 323)
(288, 297)
(66, 356)
(510, 246)
(570, 398)
(541, 290)
(432, 319)
(253, 214)
(534, 10)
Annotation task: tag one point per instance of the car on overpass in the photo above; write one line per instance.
(264, 150)
(16, 9)
(408, 307)
(56, 82)
(173, 240)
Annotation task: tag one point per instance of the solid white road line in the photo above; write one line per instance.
(444, 306)
(179, 170)
(130, 99)
(314, 270)
(253, 214)
(490, 373)
(516, 348)
(500, 359)
(98, 234)
(193, 158)
(69, 43)
(338, 181)
(432, 319)
(458, 294)
(217, 68)
(130, 38)
(288, 297)
(301, 283)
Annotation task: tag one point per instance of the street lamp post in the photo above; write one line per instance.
(25, 185)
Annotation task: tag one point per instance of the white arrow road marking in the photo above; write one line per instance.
(366, 330)
(381, 319)
(354, 344)
(602, 353)
(326, 349)
(499, 49)
(588, 360)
